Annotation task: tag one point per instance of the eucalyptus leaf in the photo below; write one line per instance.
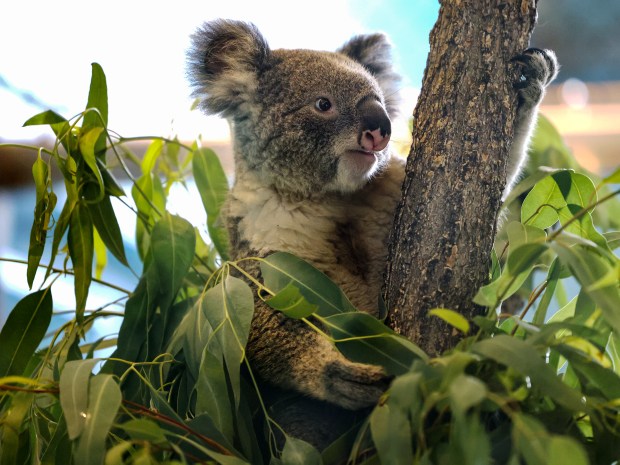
(73, 388)
(391, 434)
(104, 220)
(212, 185)
(281, 269)
(454, 319)
(46, 117)
(104, 400)
(524, 358)
(363, 338)
(298, 452)
(97, 98)
(172, 246)
(23, 331)
(81, 249)
(88, 142)
(291, 302)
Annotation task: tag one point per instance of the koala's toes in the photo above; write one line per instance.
(538, 68)
(355, 385)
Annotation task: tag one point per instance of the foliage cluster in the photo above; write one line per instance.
(540, 387)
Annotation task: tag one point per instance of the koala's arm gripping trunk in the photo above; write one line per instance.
(464, 121)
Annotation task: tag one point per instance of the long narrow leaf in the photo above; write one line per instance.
(104, 399)
(81, 248)
(23, 331)
(73, 388)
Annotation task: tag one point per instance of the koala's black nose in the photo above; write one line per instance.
(375, 128)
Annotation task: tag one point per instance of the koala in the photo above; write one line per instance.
(315, 176)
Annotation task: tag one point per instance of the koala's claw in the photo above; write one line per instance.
(355, 385)
(538, 68)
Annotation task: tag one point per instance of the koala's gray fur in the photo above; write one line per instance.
(321, 184)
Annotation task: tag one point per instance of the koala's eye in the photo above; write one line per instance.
(323, 104)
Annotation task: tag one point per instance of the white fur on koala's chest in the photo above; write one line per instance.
(270, 223)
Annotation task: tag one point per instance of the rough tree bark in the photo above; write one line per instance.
(445, 223)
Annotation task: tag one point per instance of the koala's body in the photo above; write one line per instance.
(314, 176)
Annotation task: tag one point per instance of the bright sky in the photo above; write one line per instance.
(47, 48)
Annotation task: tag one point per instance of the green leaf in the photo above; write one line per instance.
(23, 331)
(281, 269)
(73, 389)
(172, 246)
(104, 399)
(143, 429)
(363, 338)
(104, 220)
(526, 360)
(12, 426)
(62, 224)
(45, 203)
(101, 255)
(290, 302)
(466, 392)
(613, 239)
(518, 267)
(541, 204)
(451, 317)
(298, 452)
(81, 248)
(229, 308)
(565, 450)
(590, 269)
(531, 439)
(46, 117)
(613, 178)
(88, 143)
(391, 434)
(97, 98)
(213, 188)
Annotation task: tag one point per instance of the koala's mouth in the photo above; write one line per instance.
(362, 153)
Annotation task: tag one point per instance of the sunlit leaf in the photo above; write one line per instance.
(88, 141)
(104, 399)
(97, 98)
(23, 331)
(281, 269)
(451, 317)
(73, 388)
(46, 117)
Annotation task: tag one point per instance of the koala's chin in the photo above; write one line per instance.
(357, 167)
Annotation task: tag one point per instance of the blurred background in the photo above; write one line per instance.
(47, 49)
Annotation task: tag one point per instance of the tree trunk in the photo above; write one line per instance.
(463, 125)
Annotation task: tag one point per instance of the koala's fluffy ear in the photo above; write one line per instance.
(374, 52)
(223, 64)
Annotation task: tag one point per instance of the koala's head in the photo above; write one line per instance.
(304, 121)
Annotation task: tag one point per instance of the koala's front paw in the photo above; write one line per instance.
(538, 69)
(354, 385)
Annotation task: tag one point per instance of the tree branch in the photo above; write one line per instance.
(445, 223)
